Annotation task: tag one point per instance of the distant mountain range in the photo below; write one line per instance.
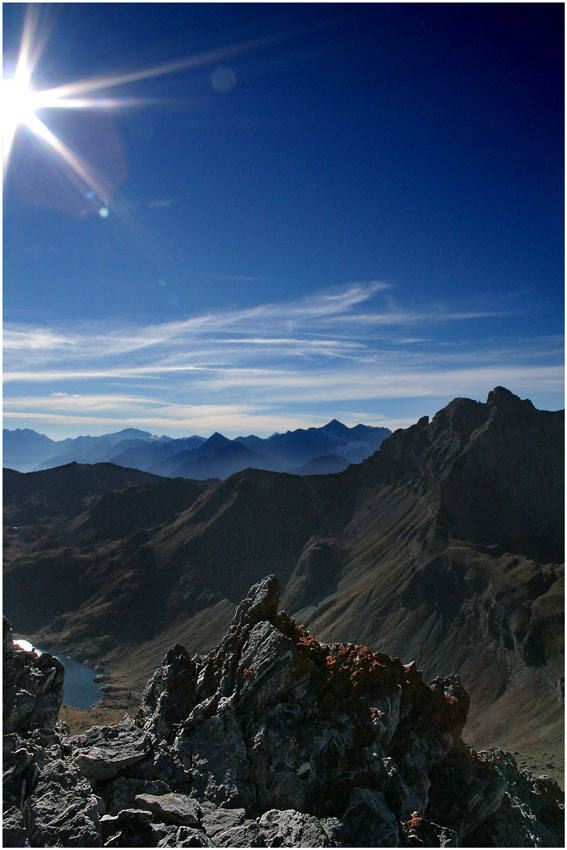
(304, 451)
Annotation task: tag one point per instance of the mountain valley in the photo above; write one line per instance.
(444, 548)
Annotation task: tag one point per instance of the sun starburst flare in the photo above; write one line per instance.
(22, 101)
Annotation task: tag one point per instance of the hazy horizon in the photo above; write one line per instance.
(54, 432)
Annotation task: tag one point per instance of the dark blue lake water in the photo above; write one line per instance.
(80, 689)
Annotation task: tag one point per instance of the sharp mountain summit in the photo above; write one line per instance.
(328, 449)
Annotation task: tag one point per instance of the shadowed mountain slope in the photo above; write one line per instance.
(444, 547)
(64, 487)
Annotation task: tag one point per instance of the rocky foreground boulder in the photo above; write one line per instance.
(273, 739)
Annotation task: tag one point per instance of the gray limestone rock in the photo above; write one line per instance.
(182, 836)
(294, 761)
(117, 840)
(161, 764)
(290, 828)
(62, 811)
(218, 820)
(261, 603)
(423, 833)
(18, 765)
(108, 826)
(121, 792)
(134, 819)
(103, 751)
(175, 809)
(265, 659)
(369, 822)
(247, 834)
(170, 695)
(130, 828)
(32, 687)
(527, 817)
(215, 751)
(464, 792)
(13, 828)
(388, 715)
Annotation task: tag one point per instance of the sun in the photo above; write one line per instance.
(19, 101)
(19, 104)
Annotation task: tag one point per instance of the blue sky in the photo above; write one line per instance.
(311, 211)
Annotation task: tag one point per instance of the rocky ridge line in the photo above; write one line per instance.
(273, 739)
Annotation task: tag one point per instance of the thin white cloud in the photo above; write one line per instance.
(319, 352)
(324, 312)
(368, 383)
(150, 371)
(243, 277)
(409, 317)
(75, 402)
(96, 341)
(260, 392)
(160, 203)
(34, 339)
(199, 418)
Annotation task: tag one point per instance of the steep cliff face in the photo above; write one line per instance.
(445, 548)
(274, 739)
(32, 692)
(46, 801)
(453, 557)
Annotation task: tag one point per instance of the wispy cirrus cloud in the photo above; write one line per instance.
(309, 356)
(237, 277)
(170, 418)
(100, 340)
(310, 315)
(160, 203)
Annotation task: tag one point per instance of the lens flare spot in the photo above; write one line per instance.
(104, 212)
(162, 282)
(223, 79)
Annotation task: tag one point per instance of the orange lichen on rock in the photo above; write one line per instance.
(185, 680)
(449, 708)
(415, 825)
(211, 708)
(348, 678)
(212, 671)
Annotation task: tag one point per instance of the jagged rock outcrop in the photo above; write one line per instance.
(47, 802)
(32, 686)
(274, 739)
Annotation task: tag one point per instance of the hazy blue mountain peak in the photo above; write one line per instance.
(197, 457)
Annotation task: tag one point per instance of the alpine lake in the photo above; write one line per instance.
(80, 689)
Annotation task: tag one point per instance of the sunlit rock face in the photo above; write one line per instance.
(274, 739)
(32, 686)
(47, 802)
